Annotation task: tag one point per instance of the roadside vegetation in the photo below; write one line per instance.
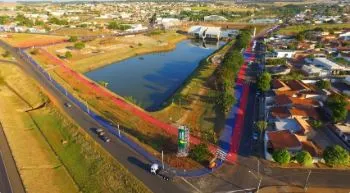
(32, 152)
(70, 159)
(294, 29)
(232, 62)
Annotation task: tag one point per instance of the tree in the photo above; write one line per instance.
(316, 124)
(79, 45)
(300, 36)
(73, 38)
(261, 126)
(264, 81)
(116, 25)
(336, 156)
(152, 20)
(4, 19)
(200, 153)
(304, 158)
(337, 104)
(68, 54)
(281, 156)
(6, 54)
(323, 84)
(226, 100)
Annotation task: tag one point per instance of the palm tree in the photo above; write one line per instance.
(261, 126)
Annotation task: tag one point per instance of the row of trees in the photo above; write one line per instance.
(118, 26)
(230, 66)
(332, 155)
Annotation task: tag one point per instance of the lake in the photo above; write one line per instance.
(151, 79)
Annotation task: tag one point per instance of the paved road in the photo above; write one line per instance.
(10, 180)
(4, 180)
(135, 163)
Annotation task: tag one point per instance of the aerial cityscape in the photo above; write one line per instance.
(231, 96)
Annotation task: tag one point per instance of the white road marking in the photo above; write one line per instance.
(241, 190)
(194, 187)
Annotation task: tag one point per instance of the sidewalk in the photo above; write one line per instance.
(294, 189)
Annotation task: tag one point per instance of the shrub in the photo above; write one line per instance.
(281, 156)
(34, 51)
(323, 84)
(200, 153)
(79, 45)
(304, 158)
(73, 39)
(6, 54)
(336, 156)
(68, 54)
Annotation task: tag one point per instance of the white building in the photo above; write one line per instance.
(168, 22)
(136, 28)
(347, 80)
(312, 70)
(214, 18)
(205, 32)
(331, 67)
(284, 53)
(345, 36)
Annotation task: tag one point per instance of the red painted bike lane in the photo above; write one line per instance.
(238, 127)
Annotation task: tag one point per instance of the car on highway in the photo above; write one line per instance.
(105, 138)
(67, 105)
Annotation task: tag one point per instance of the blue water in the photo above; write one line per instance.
(153, 78)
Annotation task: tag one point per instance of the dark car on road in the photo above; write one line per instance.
(105, 138)
(68, 105)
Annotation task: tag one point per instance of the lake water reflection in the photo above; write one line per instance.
(153, 78)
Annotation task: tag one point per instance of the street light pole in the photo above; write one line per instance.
(258, 178)
(257, 190)
(307, 180)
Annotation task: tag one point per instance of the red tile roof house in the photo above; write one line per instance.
(284, 139)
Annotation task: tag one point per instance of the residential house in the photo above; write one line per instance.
(283, 139)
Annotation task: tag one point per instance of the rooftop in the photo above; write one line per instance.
(287, 124)
(297, 85)
(282, 100)
(280, 112)
(327, 64)
(304, 112)
(283, 140)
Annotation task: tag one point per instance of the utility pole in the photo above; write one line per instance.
(118, 130)
(307, 180)
(162, 160)
(258, 167)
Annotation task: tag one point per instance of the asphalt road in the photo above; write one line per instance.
(5, 186)
(135, 163)
(10, 180)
